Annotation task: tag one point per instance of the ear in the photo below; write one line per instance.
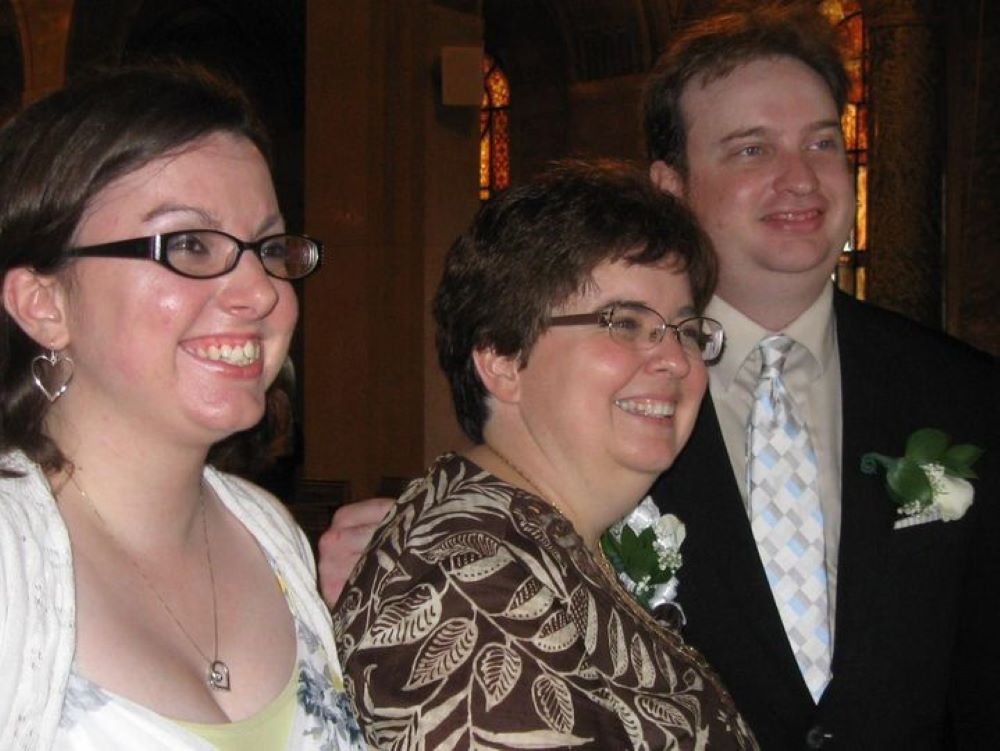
(500, 374)
(666, 178)
(37, 303)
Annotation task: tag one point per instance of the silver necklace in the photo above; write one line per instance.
(217, 675)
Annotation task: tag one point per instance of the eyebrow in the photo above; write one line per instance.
(741, 134)
(686, 312)
(209, 220)
(761, 130)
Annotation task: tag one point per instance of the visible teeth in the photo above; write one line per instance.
(795, 216)
(646, 407)
(240, 354)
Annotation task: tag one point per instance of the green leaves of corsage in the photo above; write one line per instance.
(644, 550)
(932, 475)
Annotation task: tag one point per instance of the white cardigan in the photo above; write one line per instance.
(37, 595)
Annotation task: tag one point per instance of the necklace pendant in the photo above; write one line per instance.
(218, 675)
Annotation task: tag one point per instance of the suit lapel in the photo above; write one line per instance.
(866, 517)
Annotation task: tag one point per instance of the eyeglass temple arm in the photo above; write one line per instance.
(579, 318)
(145, 247)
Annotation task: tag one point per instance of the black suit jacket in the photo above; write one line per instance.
(915, 650)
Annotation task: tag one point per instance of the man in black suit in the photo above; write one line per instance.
(742, 120)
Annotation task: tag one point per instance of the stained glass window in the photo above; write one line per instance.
(847, 16)
(494, 133)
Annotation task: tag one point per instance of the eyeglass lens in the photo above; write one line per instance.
(206, 253)
(643, 328)
(639, 327)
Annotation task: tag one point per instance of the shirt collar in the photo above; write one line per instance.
(814, 330)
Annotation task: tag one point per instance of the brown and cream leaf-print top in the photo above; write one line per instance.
(478, 619)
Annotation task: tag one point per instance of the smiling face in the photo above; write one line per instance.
(184, 360)
(606, 409)
(768, 178)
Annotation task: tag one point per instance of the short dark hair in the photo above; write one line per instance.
(534, 246)
(714, 46)
(56, 156)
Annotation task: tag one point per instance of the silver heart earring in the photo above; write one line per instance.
(52, 373)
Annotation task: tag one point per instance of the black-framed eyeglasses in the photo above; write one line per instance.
(639, 327)
(207, 253)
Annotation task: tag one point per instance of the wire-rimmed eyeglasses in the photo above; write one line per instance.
(639, 327)
(207, 253)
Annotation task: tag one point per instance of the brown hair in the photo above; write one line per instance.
(531, 248)
(711, 48)
(55, 157)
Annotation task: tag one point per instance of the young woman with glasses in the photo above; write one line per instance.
(148, 600)
(484, 613)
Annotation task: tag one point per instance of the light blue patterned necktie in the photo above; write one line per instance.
(785, 515)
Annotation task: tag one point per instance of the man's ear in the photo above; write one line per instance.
(500, 374)
(666, 178)
(37, 303)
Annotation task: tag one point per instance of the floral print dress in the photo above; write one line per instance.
(478, 619)
(94, 718)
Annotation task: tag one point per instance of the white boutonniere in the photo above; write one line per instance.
(931, 480)
(645, 550)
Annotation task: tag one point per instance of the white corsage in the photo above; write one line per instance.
(645, 550)
(931, 480)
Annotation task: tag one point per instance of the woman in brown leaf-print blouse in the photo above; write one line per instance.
(483, 614)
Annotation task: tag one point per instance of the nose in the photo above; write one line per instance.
(670, 356)
(248, 291)
(797, 175)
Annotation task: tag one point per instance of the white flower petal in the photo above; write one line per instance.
(951, 495)
(670, 531)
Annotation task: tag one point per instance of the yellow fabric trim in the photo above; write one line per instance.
(265, 731)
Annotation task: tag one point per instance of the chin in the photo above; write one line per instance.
(804, 256)
(223, 423)
(651, 463)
